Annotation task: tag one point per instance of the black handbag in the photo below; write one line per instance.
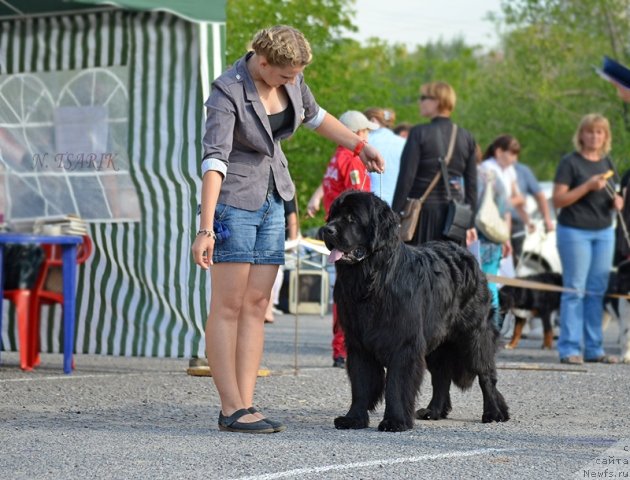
(459, 217)
(458, 220)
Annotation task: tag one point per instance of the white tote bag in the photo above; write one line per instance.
(488, 219)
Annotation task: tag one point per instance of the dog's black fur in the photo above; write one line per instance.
(541, 303)
(403, 309)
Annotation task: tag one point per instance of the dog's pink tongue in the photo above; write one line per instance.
(334, 255)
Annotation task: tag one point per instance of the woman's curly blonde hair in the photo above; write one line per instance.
(283, 46)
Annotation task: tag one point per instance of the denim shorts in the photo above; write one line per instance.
(255, 236)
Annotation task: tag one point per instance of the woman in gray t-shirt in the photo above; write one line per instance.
(584, 191)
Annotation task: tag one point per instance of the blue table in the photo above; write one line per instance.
(69, 245)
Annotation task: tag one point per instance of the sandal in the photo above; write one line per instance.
(231, 423)
(572, 360)
(610, 359)
(277, 426)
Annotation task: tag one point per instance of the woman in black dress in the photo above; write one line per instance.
(420, 162)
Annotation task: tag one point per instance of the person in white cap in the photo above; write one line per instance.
(343, 171)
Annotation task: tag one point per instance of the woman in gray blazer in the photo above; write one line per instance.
(261, 100)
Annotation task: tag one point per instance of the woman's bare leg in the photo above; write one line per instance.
(229, 284)
(251, 328)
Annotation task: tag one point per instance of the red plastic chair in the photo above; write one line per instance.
(40, 296)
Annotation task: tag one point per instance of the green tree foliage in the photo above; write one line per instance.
(536, 85)
(543, 81)
(345, 75)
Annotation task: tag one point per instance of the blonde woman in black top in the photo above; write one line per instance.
(419, 163)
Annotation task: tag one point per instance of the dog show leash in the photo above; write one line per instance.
(529, 284)
(620, 219)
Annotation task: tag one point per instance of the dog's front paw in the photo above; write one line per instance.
(392, 425)
(350, 423)
(495, 416)
(428, 414)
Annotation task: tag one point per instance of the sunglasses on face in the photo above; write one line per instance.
(425, 97)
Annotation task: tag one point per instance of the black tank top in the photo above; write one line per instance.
(279, 121)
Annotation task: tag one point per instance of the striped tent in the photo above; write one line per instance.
(140, 293)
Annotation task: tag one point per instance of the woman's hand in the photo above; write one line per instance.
(596, 182)
(471, 236)
(618, 203)
(372, 159)
(313, 206)
(549, 226)
(506, 249)
(202, 249)
(315, 201)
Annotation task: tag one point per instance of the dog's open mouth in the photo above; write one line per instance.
(353, 256)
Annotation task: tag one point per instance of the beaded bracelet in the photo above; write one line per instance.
(207, 233)
(359, 148)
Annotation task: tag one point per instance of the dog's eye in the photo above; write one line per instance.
(350, 219)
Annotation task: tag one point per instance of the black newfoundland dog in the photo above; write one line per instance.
(405, 308)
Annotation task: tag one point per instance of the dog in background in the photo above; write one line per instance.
(619, 308)
(526, 303)
(404, 309)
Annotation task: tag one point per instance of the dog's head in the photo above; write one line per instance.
(507, 299)
(359, 224)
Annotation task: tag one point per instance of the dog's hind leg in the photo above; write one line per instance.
(439, 364)
(547, 329)
(404, 377)
(519, 323)
(494, 407)
(367, 381)
(481, 362)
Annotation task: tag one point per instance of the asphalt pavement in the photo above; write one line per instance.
(137, 418)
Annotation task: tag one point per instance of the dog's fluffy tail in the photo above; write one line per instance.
(491, 316)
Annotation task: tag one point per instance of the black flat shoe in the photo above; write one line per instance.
(231, 423)
(277, 426)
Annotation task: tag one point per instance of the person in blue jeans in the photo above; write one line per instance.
(584, 191)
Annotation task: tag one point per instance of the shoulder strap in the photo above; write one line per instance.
(440, 172)
(445, 162)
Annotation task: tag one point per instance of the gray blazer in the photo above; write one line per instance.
(238, 141)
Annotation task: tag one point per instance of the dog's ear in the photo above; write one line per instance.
(386, 228)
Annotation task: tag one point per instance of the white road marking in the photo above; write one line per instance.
(373, 463)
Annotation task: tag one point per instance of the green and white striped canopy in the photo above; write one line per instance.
(140, 293)
(191, 10)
